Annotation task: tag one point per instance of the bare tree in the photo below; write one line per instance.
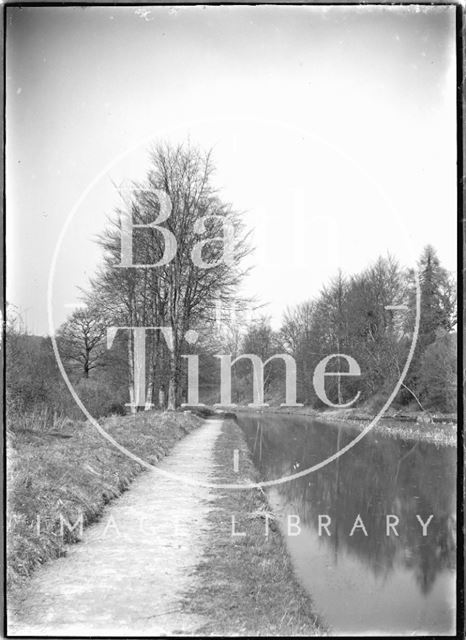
(81, 339)
(181, 294)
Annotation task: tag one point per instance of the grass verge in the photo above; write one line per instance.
(72, 473)
(246, 584)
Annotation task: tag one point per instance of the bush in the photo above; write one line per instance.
(36, 392)
(98, 398)
(437, 379)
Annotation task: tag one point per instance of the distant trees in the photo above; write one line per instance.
(350, 316)
(259, 339)
(296, 337)
(184, 259)
(375, 335)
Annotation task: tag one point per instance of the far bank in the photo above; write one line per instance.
(438, 429)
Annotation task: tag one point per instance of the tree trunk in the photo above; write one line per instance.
(151, 382)
(132, 394)
(150, 391)
(340, 397)
(86, 364)
(172, 382)
(161, 398)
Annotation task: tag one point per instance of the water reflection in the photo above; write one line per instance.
(409, 578)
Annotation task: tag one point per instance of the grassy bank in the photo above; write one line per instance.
(442, 432)
(71, 472)
(247, 585)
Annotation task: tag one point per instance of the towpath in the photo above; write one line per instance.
(128, 574)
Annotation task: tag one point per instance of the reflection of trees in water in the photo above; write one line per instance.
(379, 476)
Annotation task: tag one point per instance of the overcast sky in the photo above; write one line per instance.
(313, 113)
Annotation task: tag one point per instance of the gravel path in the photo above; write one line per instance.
(128, 574)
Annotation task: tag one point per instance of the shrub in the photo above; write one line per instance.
(437, 379)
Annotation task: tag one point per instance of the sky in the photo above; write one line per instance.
(333, 129)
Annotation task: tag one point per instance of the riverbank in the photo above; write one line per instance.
(442, 432)
(246, 582)
(58, 477)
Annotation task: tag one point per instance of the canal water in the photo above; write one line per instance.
(374, 584)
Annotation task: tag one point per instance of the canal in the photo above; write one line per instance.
(364, 584)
